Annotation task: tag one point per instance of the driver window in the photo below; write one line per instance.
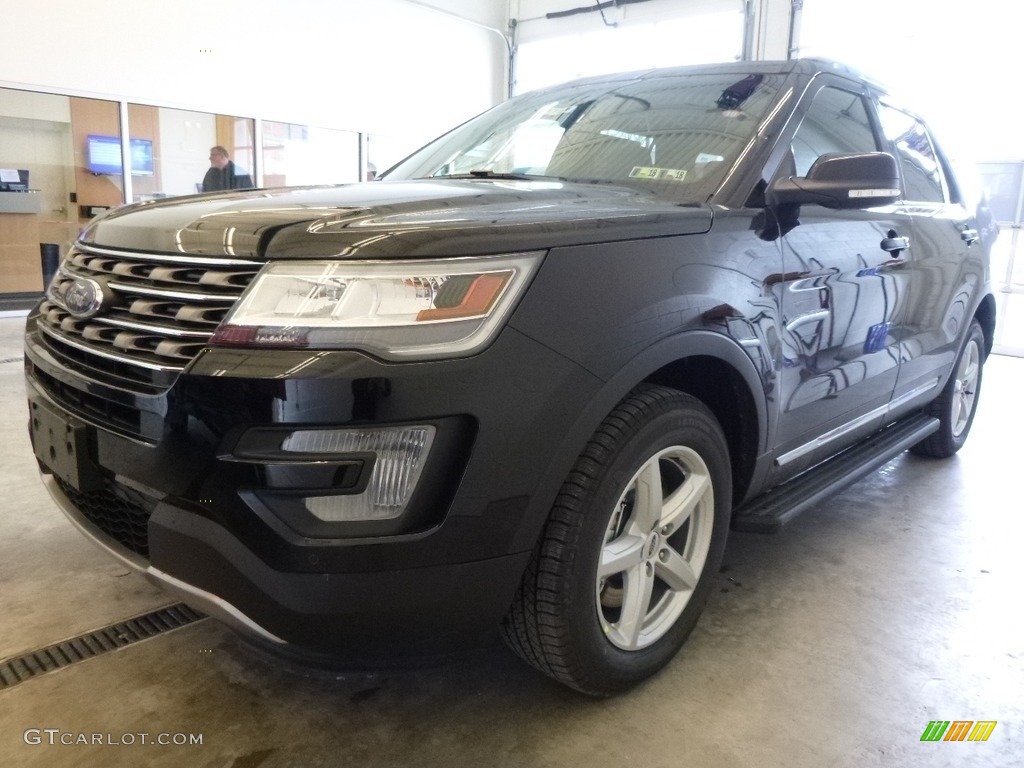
(837, 121)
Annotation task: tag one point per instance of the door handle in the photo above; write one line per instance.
(893, 243)
(968, 235)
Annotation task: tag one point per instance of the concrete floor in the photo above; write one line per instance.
(832, 644)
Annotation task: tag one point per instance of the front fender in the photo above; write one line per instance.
(690, 344)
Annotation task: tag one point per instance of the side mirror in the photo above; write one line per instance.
(842, 181)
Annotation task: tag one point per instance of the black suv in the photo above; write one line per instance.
(529, 379)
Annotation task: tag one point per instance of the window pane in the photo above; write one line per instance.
(385, 151)
(47, 191)
(173, 152)
(836, 122)
(296, 155)
(1002, 183)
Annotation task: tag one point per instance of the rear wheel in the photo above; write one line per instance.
(956, 404)
(630, 550)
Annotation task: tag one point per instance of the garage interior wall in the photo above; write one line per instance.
(563, 39)
(654, 33)
(374, 67)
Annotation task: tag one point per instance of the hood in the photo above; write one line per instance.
(401, 219)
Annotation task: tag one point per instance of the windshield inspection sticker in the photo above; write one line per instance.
(658, 174)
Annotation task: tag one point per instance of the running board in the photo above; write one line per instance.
(770, 511)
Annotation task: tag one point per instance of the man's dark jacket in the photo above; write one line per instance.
(228, 177)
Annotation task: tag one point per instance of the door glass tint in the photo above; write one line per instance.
(919, 162)
(837, 121)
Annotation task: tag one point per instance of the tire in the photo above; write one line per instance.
(615, 585)
(957, 403)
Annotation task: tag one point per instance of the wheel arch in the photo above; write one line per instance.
(985, 314)
(723, 390)
(707, 365)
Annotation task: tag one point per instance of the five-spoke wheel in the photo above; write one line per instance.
(627, 559)
(655, 548)
(956, 404)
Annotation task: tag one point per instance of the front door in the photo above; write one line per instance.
(843, 297)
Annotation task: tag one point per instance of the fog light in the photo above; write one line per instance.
(400, 454)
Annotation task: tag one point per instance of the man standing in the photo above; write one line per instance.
(224, 174)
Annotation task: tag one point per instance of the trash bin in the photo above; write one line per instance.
(49, 254)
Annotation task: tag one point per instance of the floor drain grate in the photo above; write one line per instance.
(95, 643)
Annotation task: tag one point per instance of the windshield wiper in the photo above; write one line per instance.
(481, 174)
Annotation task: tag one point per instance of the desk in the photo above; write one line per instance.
(20, 266)
(20, 202)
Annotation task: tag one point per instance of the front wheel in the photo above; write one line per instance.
(956, 404)
(627, 559)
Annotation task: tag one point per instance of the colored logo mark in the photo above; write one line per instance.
(958, 730)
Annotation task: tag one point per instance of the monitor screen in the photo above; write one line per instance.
(103, 155)
(142, 157)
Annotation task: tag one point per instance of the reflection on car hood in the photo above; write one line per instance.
(395, 219)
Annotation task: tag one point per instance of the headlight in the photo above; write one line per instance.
(399, 310)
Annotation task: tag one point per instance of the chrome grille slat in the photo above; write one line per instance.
(132, 289)
(174, 259)
(153, 329)
(104, 353)
(159, 312)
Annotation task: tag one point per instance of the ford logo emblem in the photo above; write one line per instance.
(84, 297)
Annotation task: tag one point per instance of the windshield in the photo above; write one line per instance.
(674, 134)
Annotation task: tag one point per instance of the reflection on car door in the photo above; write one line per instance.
(943, 282)
(844, 305)
(843, 300)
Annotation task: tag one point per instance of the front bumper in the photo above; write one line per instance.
(366, 616)
(446, 575)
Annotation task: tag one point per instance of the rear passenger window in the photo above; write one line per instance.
(837, 121)
(919, 162)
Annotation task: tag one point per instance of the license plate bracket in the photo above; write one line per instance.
(62, 443)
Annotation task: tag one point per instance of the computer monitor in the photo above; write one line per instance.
(103, 155)
(142, 157)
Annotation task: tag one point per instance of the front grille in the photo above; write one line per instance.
(98, 410)
(157, 312)
(121, 513)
